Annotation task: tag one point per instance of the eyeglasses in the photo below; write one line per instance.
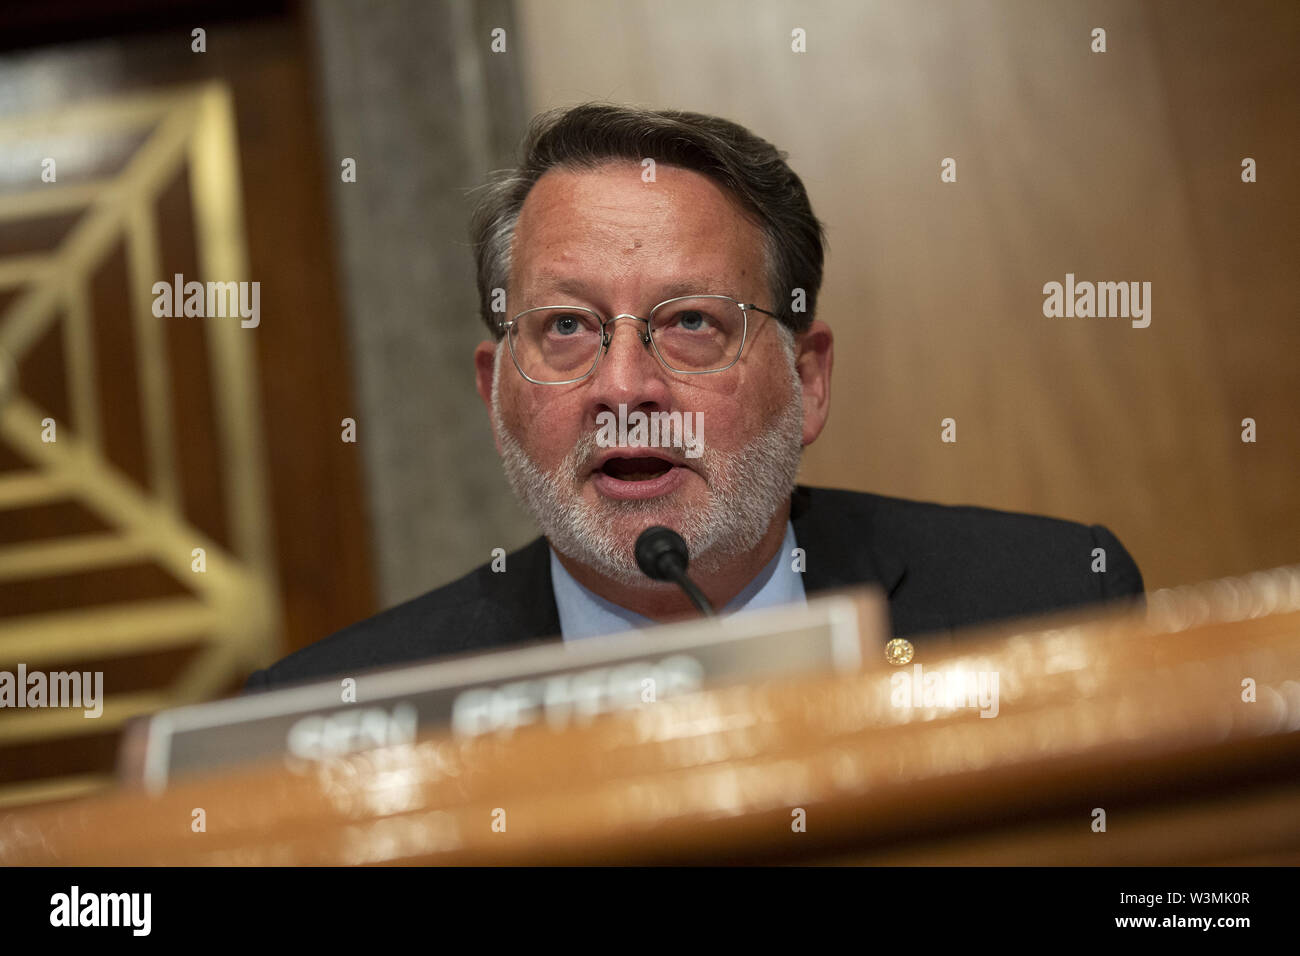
(690, 335)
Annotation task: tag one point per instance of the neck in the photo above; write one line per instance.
(665, 603)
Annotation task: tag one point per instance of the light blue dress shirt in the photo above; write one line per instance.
(584, 613)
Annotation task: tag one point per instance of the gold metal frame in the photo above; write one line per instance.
(234, 610)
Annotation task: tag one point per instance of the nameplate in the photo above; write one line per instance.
(558, 684)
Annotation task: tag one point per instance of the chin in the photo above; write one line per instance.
(633, 517)
(646, 512)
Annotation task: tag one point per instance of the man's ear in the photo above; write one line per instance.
(814, 355)
(485, 356)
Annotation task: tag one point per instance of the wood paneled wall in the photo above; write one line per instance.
(1115, 166)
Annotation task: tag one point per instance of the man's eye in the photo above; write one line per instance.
(567, 325)
(691, 321)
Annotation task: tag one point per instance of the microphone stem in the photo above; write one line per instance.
(693, 592)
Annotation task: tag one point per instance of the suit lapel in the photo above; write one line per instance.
(519, 605)
(842, 549)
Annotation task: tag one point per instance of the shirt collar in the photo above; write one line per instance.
(583, 613)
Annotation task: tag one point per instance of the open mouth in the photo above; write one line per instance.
(638, 476)
(636, 469)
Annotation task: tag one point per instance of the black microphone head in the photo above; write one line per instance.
(660, 552)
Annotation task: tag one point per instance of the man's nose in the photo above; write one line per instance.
(628, 372)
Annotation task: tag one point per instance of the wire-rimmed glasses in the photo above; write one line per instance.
(689, 334)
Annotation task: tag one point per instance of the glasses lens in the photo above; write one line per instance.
(555, 345)
(698, 333)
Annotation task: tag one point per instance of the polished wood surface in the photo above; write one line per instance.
(1181, 722)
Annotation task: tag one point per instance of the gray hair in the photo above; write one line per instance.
(586, 136)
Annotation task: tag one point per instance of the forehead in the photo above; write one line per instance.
(608, 229)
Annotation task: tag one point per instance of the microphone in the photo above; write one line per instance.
(661, 554)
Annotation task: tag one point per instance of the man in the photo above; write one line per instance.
(667, 264)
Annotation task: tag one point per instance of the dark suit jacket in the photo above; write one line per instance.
(942, 567)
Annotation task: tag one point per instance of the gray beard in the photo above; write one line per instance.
(746, 488)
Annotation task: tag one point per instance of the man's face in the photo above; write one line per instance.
(608, 241)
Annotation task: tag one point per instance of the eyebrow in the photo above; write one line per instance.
(552, 282)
